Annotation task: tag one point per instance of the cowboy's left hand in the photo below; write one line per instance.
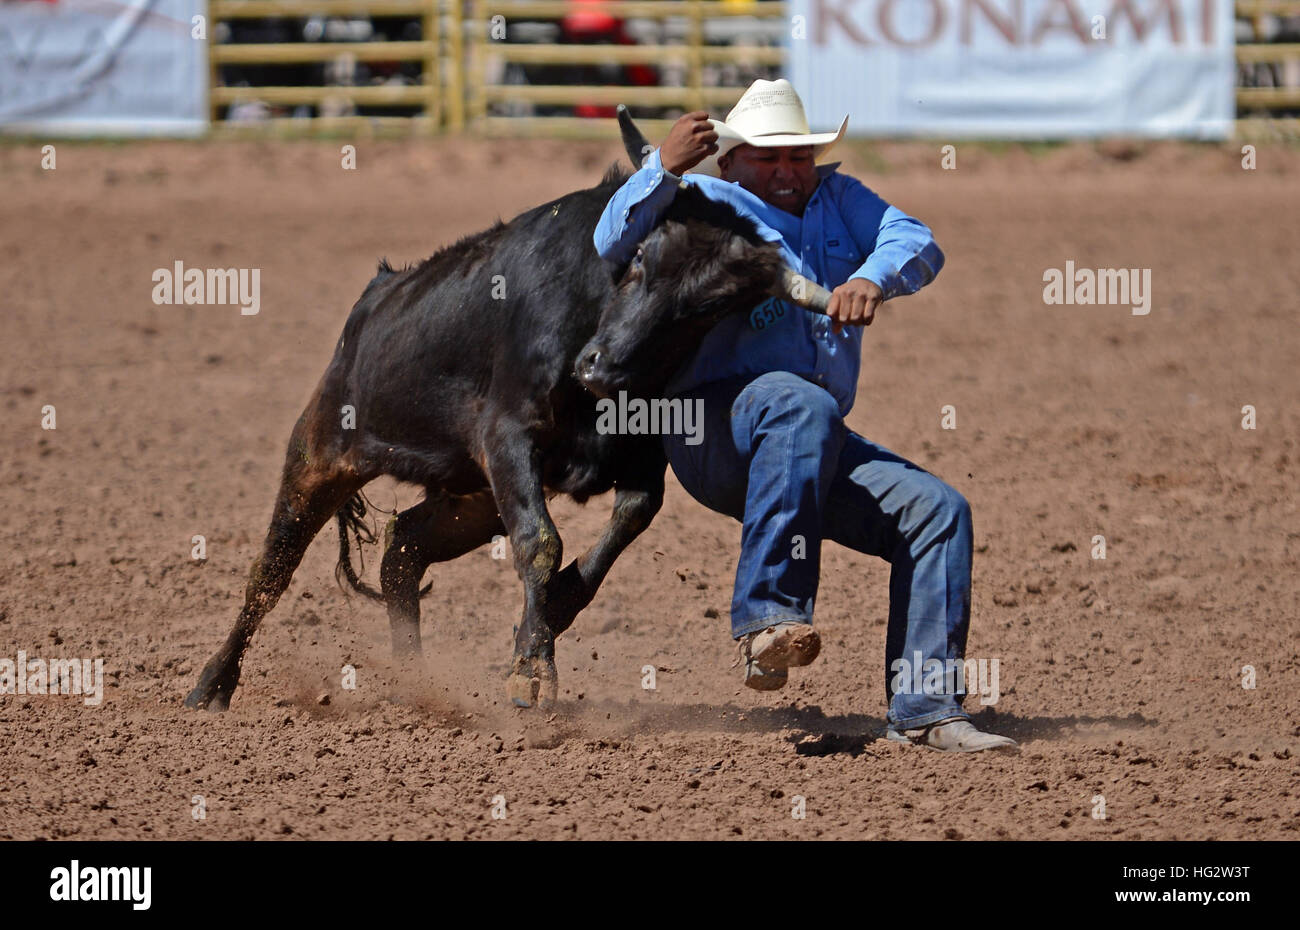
(854, 303)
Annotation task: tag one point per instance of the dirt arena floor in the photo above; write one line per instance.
(1122, 678)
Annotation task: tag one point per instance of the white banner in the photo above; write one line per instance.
(1016, 68)
(103, 67)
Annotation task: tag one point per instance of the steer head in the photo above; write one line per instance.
(701, 263)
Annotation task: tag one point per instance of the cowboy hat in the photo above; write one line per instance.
(769, 114)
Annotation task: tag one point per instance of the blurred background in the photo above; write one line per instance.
(974, 68)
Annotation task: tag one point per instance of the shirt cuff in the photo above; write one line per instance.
(655, 162)
(875, 278)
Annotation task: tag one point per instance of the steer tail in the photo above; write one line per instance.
(351, 519)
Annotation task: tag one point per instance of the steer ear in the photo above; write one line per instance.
(633, 141)
(794, 287)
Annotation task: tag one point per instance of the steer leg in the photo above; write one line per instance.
(554, 598)
(637, 498)
(309, 495)
(512, 465)
(438, 529)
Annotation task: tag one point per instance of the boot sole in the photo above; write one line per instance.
(792, 649)
(773, 682)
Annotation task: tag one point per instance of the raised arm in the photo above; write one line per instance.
(640, 203)
(634, 210)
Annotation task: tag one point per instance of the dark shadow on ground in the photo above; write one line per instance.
(1025, 728)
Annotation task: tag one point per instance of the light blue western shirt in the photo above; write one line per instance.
(846, 231)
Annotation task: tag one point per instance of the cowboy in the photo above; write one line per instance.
(777, 384)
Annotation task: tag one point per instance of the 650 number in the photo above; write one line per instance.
(766, 314)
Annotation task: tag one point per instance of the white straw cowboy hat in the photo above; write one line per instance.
(769, 114)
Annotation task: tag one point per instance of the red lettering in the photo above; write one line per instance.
(1008, 25)
(1140, 25)
(1049, 22)
(938, 18)
(824, 10)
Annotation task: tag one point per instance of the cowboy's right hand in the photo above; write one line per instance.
(691, 140)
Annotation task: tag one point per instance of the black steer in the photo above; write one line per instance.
(459, 375)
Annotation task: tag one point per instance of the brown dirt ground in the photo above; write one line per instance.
(1120, 677)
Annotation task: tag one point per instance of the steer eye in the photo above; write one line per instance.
(637, 258)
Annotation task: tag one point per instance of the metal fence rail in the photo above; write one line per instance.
(1278, 63)
(430, 96)
(461, 57)
(691, 17)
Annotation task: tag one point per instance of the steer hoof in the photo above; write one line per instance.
(212, 693)
(207, 699)
(523, 689)
(533, 683)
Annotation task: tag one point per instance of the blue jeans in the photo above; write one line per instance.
(777, 456)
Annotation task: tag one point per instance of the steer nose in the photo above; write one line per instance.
(585, 367)
(588, 360)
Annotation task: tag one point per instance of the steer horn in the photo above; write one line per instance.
(638, 147)
(797, 289)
